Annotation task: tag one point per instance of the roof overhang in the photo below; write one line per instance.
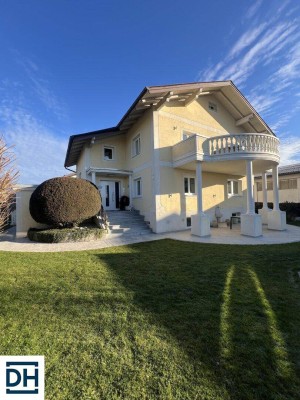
(154, 97)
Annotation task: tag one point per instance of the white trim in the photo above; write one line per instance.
(135, 180)
(189, 193)
(136, 138)
(238, 194)
(112, 171)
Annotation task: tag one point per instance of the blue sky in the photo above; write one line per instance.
(74, 66)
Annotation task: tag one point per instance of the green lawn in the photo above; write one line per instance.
(159, 320)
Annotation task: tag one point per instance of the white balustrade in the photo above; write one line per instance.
(243, 143)
(230, 146)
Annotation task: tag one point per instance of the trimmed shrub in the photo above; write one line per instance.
(78, 234)
(64, 202)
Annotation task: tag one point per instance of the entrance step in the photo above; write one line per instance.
(127, 223)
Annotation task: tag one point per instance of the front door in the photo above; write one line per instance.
(110, 194)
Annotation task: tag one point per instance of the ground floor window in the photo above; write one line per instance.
(233, 187)
(189, 186)
(138, 187)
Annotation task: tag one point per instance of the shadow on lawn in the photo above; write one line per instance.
(214, 305)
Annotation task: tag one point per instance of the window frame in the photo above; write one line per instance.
(135, 186)
(189, 193)
(112, 148)
(232, 194)
(137, 138)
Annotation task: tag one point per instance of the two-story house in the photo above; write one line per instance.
(178, 153)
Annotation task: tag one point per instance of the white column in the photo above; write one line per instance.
(250, 196)
(200, 221)
(251, 223)
(265, 210)
(276, 218)
(275, 188)
(199, 187)
(264, 189)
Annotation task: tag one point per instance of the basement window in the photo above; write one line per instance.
(212, 106)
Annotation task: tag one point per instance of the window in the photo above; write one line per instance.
(189, 221)
(259, 186)
(136, 146)
(108, 153)
(212, 106)
(233, 188)
(189, 186)
(138, 187)
(285, 184)
(269, 185)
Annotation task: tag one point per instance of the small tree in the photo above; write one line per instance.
(8, 178)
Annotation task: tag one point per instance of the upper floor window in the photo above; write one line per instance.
(233, 188)
(136, 146)
(189, 186)
(108, 153)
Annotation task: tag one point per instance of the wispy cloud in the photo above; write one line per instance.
(253, 9)
(24, 108)
(41, 86)
(266, 56)
(40, 153)
(290, 150)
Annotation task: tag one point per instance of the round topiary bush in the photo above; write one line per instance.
(65, 201)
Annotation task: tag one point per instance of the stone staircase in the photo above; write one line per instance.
(126, 223)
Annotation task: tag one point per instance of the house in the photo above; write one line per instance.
(178, 153)
(289, 185)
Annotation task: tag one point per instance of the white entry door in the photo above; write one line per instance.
(108, 194)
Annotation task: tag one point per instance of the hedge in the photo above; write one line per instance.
(292, 209)
(78, 234)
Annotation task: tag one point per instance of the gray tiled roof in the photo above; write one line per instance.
(284, 170)
(289, 169)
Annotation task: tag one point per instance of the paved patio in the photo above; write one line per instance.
(8, 242)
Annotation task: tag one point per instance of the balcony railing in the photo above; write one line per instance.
(230, 146)
(243, 143)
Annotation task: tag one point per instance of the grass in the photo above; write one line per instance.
(157, 320)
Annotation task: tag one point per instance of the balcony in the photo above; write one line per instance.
(226, 147)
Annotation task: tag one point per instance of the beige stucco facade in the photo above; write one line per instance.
(163, 200)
